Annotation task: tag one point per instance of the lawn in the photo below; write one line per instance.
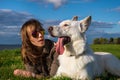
(112, 48)
(11, 59)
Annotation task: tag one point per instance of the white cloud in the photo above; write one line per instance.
(119, 22)
(2, 33)
(11, 21)
(100, 24)
(57, 3)
(117, 9)
(8, 33)
(11, 27)
(5, 10)
(17, 17)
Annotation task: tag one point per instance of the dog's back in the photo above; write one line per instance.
(108, 62)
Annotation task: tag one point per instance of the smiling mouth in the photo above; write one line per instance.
(65, 39)
(61, 42)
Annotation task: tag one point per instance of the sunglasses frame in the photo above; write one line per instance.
(36, 33)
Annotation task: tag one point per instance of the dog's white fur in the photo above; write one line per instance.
(78, 60)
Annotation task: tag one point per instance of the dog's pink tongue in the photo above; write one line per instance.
(59, 46)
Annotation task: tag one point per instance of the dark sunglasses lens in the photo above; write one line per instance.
(34, 34)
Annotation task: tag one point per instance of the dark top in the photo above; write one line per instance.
(43, 62)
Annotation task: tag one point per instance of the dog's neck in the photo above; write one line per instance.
(77, 47)
(78, 37)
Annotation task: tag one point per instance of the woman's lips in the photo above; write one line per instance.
(40, 40)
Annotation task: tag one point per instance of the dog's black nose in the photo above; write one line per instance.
(50, 28)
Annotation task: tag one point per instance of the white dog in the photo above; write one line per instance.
(78, 61)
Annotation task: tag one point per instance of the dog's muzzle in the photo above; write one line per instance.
(66, 39)
(50, 29)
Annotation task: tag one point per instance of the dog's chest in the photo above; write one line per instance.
(66, 59)
(67, 64)
(71, 61)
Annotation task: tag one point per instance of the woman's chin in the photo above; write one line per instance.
(41, 43)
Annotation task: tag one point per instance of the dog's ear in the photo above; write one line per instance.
(84, 24)
(75, 18)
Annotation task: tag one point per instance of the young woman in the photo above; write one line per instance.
(38, 54)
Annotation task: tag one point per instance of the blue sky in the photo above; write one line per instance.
(13, 13)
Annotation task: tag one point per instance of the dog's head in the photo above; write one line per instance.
(71, 28)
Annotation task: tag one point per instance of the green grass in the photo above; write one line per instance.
(112, 48)
(11, 59)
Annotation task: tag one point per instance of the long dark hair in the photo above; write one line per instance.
(27, 47)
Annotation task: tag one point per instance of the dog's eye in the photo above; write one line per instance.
(66, 25)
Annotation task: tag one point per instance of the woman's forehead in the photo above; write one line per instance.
(30, 28)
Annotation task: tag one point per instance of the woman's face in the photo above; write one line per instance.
(36, 37)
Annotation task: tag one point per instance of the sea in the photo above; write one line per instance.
(9, 46)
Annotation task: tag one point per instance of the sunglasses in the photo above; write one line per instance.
(36, 33)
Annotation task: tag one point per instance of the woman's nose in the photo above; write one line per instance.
(40, 35)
